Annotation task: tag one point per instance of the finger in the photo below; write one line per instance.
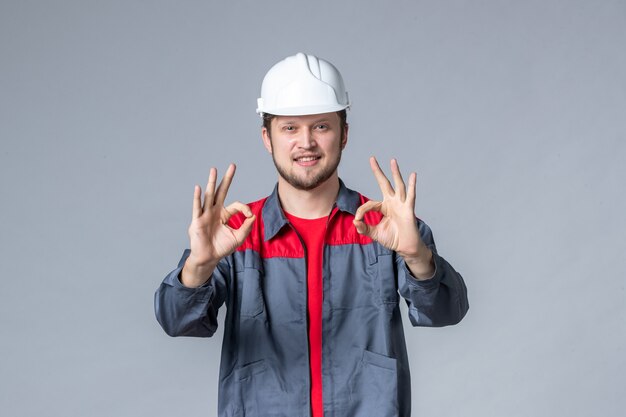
(244, 230)
(234, 208)
(370, 205)
(197, 203)
(362, 227)
(412, 187)
(222, 189)
(382, 180)
(397, 179)
(210, 190)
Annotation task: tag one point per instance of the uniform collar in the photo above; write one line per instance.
(274, 218)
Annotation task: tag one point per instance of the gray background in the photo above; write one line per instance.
(512, 113)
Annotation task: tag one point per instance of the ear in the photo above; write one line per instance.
(267, 142)
(344, 142)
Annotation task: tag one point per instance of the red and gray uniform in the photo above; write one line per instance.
(264, 368)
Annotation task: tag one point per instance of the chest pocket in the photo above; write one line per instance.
(386, 273)
(249, 283)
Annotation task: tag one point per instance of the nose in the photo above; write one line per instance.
(307, 141)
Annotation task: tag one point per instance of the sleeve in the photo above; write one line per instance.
(438, 301)
(183, 311)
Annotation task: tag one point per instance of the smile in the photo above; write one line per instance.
(307, 158)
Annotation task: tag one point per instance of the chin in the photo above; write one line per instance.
(308, 182)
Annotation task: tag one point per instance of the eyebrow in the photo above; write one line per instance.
(294, 121)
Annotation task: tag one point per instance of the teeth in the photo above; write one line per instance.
(307, 159)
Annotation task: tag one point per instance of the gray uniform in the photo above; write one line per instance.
(265, 359)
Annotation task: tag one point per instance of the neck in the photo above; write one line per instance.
(309, 204)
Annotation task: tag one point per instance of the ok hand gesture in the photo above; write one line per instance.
(397, 229)
(210, 237)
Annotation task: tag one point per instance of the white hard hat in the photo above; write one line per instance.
(300, 85)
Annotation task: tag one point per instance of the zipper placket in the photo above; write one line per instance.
(306, 317)
(328, 220)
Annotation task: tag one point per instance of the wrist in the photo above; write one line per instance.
(195, 274)
(422, 264)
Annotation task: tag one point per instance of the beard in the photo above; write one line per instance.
(308, 183)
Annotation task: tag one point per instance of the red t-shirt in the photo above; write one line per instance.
(312, 232)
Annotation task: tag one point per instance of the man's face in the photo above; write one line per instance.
(306, 149)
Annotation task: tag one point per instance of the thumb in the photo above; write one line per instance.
(362, 227)
(245, 229)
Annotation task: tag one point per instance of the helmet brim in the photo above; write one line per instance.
(304, 110)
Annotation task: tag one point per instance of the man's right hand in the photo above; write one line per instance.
(210, 237)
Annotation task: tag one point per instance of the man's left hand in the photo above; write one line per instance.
(398, 228)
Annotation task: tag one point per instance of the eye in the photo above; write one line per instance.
(321, 127)
(289, 128)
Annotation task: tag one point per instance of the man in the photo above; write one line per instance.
(311, 274)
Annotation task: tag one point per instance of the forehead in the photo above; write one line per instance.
(307, 119)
